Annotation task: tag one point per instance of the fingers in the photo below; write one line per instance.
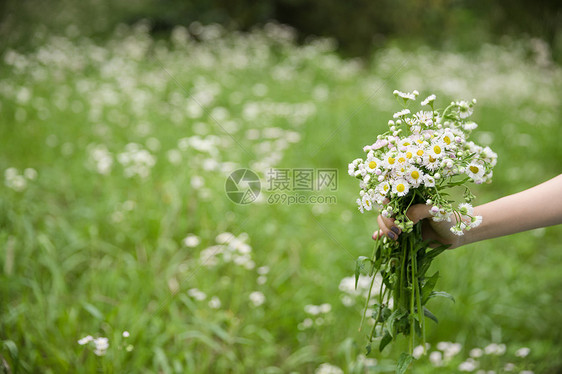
(418, 212)
(387, 227)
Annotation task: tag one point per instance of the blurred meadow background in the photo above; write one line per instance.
(120, 122)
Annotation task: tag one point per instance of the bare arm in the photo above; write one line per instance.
(539, 206)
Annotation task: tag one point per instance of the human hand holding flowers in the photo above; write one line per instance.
(408, 172)
(539, 206)
(432, 231)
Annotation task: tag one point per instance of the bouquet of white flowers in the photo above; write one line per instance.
(416, 161)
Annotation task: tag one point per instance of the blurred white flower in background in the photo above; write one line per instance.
(257, 298)
(101, 345)
(468, 365)
(191, 241)
(86, 340)
(214, 303)
(326, 368)
(100, 158)
(495, 349)
(436, 358)
(197, 294)
(16, 181)
(136, 161)
(522, 352)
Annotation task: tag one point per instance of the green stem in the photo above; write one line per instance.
(418, 301)
(372, 274)
(381, 294)
(413, 292)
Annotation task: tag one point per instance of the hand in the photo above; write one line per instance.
(431, 230)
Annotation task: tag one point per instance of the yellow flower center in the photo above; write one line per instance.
(447, 140)
(408, 154)
(400, 188)
(431, 159)
(415, 174)
(401, 160)
(420, 152)
(372, 164)
(367, 202)
(474, 169)
(437, 149)
(385, 187)
(391, 160)
(405, 144)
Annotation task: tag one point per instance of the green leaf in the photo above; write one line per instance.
(390, 321)
(368, 349)
(385, 313)
(452, 184)
(430, 315)
(359, 267)
(429, 286)
(441, 294)
(95, 312)
(436, 251)
(387, 338)
(404, 362)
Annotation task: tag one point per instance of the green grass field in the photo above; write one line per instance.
(116, 218)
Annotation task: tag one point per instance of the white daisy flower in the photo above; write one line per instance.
(372, 163)
(367, 203)
(466, 209)
(430, 162)
(424, 117)
(448, 138)
(389, 160)
(456, 230)
(475, 221)
(440, 215)
(418, 151)
(465, 109)
(360, 205)
(402, 113)
(400, 170)
(406, 142)
(436, 149)
(428, 180)
(406, 95)
(475, 170)
(383, 188)
(469, 126)
(428, 100)
(400, 187)
(414, 176)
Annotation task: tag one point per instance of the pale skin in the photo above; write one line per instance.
(539, 206)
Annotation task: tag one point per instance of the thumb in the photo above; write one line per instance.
(418, 212)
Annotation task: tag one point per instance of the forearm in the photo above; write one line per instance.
(538, 206)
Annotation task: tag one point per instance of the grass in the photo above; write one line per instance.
(86, 250)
